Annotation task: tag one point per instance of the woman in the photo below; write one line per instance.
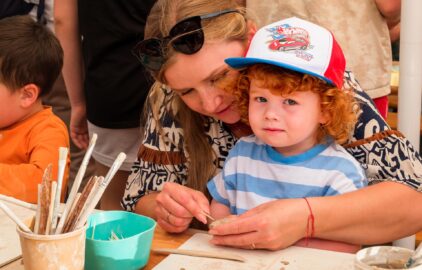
(192, 123)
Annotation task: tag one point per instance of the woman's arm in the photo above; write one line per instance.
(67, 31)
(146, 205)
(376, 214)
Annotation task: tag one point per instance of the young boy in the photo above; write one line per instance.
(291, 95)
(30, 134)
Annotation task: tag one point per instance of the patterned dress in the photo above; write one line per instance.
(384, 154)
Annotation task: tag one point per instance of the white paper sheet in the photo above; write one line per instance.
(292, 258)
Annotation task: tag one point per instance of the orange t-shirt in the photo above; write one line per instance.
(26, 149)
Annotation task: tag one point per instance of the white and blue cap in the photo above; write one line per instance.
(297, 45)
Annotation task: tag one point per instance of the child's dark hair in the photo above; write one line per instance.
(339, 105)
(29, 53)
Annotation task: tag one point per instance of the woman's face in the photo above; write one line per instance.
(195, 78)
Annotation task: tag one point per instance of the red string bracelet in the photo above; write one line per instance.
(310, 224)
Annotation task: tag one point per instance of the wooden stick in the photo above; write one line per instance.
(13, 217)
(78, 205)
(101, 188)
(45, 199)
(62, 166)
(77, 197)
(88, 202)
(113, 236)
(51, 207)
(208, 215)
(77, 183)
(37, 215)
(91, 195)
(200, 253)
(81, 203)
(98, 181)
(93, 229)
(18, 202)
(69, 217)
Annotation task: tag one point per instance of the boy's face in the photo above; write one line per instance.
(10, 107)
(287, 123)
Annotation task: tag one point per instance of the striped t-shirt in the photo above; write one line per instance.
(255, 173)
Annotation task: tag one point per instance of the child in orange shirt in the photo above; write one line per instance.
(30, 134)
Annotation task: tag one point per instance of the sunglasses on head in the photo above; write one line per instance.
(186, 37)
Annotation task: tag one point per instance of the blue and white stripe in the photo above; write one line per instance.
(254, 173)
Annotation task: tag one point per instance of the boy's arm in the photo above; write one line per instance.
(220, 203)
(21, 180)
(67, 31)
(219, 210)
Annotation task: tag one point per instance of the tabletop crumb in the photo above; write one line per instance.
(285, 262)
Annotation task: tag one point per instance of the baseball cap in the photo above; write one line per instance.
(297, 45)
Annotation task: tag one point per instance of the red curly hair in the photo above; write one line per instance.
(339, 105)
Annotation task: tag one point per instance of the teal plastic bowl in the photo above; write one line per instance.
(129, 251)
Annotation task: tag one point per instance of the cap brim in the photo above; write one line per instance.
(242, 62)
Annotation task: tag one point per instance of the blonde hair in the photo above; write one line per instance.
(231, 26)
(339, 105)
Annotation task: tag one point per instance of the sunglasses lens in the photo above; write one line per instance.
(149, 53)
(188, 36)
(190, 43)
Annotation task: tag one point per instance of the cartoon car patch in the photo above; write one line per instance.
(287, 38)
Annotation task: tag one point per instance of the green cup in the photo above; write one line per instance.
(118, 240)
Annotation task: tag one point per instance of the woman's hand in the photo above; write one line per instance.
(273, 225)
(176, 205)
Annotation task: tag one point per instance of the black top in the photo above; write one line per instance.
(116, 84)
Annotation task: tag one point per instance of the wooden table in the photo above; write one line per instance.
(161, 239)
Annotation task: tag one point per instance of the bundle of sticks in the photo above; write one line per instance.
(79, 205)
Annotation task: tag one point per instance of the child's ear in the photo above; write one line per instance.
(324, 117)
(29, 94)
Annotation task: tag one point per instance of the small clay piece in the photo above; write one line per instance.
(220, 222)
